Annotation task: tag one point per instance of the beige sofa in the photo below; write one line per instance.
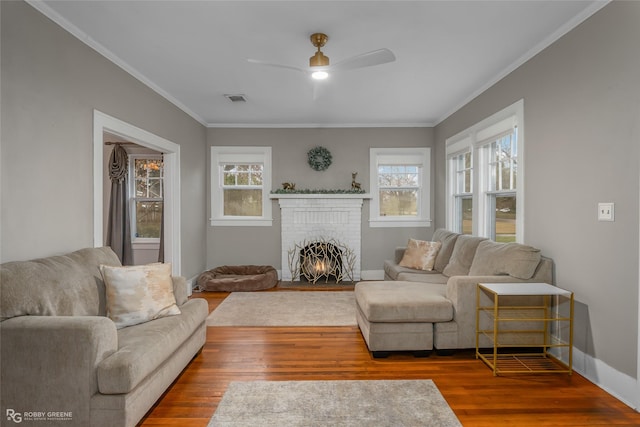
(420, 310)
(64, 360)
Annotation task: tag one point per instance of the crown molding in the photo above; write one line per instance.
(318, 125)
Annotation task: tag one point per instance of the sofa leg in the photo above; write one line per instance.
(422, 353)
(198, 353)
(380, 354)
(445, 352)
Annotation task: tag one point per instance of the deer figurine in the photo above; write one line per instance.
(355, 185)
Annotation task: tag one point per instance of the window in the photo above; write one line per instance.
(147, 193)
(242, 189)
(400, 187)
(502, 167)
(240, 186)
(462, 195)
(484, 177)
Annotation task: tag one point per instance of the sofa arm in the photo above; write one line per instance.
(399, 253)
(180, 289)
(50, 362)
(461, 291)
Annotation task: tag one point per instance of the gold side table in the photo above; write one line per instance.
(529, 325)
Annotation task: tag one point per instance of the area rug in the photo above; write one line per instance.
(320, 308)
(380, 403)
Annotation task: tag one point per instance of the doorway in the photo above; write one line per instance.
(144, 194)
(105, 124)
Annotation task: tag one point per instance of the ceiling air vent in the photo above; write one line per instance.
(236, 98)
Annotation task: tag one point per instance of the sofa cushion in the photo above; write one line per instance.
(143, 348)
(416, 276)
(512, 259)
(139, 293)
(448, 240)
(398, 301)
(66, 285)
(420, 254)
(462, 256)
(393, 270)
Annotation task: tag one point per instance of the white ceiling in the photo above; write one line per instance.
(194, 52)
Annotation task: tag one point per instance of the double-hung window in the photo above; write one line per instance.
(462, 195)
(400, 187)
(240, 186)
(147, 192)
(485, 177)
(501, 198)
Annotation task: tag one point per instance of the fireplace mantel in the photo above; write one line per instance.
(320, 196)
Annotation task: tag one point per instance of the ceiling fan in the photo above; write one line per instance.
(319, 66)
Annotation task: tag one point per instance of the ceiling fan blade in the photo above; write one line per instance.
(273, 64)
(375, 57)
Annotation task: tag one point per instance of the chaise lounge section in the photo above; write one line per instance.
(419, 310)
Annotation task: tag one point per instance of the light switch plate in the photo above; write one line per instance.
(605, 211)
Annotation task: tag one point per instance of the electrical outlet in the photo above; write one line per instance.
(605, 211)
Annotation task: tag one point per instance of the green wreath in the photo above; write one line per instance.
(319, 158)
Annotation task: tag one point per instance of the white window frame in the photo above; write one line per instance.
(242, 154)
(488, 193)
(478, 138)
(420, 156)
(457, 195)
(139, 242)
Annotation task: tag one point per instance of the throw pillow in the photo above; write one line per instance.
(420, 255)
(139, 293)
(448, 240)
(462, 255)
(513, 259)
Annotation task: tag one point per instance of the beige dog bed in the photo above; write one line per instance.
(238, 278)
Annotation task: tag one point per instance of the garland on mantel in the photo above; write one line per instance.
(318, 191)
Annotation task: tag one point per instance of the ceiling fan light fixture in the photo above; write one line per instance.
(319, 66)
(319, 75)
(319, 60)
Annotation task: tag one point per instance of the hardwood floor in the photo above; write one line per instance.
(328, 353)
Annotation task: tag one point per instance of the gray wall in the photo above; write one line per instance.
(350, 151)
(51, 82)
(582, 133)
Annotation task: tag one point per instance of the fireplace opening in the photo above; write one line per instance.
(321, 260)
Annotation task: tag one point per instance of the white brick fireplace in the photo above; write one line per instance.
(306, 217)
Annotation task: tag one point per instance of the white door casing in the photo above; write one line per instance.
(105, 123)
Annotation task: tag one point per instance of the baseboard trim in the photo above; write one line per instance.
(191, 285)
(620, 385)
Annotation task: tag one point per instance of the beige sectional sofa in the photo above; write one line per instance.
(420, 310)
(63, 358)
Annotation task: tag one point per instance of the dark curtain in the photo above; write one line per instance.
(119, 227)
